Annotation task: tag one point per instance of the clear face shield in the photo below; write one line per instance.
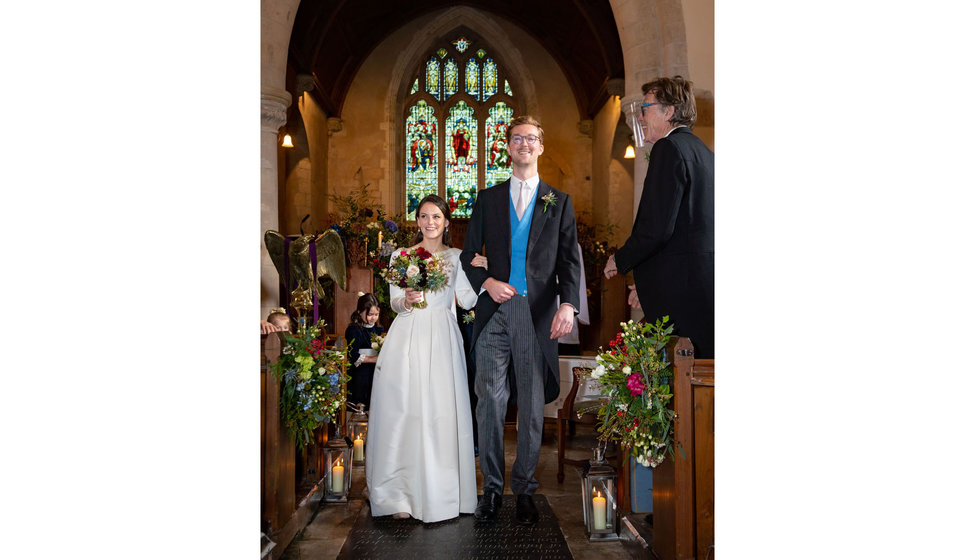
(634, 122)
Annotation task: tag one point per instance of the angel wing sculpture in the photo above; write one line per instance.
(330, 259)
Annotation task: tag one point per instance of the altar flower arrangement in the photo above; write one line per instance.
(634, 374)
(419, 270)
(312, 375)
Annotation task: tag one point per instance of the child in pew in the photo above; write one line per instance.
(278, 320)
(363, 324)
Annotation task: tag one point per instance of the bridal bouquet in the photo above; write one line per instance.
(634, 375)
(419, 270)
(312, 375)
(377, 340)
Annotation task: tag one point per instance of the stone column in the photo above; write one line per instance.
(274, 104)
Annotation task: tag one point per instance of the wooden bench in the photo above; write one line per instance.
(683, 487)
(290, 482)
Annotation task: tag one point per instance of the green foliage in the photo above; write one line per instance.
(311, 376)
(634, 375)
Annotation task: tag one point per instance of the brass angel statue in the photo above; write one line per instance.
(330, 261)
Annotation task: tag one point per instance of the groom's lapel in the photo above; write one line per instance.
(502, 208)
(539, 217)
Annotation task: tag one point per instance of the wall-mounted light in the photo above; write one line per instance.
(287, 141)
(630, 154)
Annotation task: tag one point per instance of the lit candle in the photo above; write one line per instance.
(338, 479)
(598, 511)
(358, 449)
(379, 240)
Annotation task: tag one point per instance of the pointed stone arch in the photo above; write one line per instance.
(403, 71)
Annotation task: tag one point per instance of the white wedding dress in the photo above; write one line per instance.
(419, 455)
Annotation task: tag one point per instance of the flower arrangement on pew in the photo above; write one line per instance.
(419, 270)
(634, 374)
(312, 375)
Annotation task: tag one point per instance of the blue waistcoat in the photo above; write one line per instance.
(519, 231)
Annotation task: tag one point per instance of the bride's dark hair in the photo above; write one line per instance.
(444, 208)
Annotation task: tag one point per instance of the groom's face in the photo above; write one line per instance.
(524, 152)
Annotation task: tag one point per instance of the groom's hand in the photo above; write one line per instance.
(562, 323)
(499, 291)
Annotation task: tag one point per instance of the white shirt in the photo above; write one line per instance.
(515, 190)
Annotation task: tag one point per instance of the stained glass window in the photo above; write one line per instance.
(498, 160)
(432, 77)
(473, 78)
(421, 156)
(472, 154)
(489, 78)
(461, 160)
(452, 78)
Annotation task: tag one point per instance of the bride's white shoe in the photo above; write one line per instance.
(401, 515)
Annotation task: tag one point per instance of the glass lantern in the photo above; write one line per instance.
(599, 499)
(357, 429)
(337, 464)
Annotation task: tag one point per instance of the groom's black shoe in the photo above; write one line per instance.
(489, 506)
(527, 514)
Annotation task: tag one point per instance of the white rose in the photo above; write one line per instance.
(412, 271)
(627, 370)
(322, 371)
(374, 345)
(598, 372)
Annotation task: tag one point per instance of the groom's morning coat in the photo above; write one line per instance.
(552, 262)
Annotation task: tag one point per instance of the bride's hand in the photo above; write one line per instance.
(412, 296)
(479, 260)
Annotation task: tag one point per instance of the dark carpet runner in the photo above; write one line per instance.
(463, 537)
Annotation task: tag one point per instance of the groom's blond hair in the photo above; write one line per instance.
(525, 119)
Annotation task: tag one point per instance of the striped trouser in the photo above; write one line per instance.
(509, 337)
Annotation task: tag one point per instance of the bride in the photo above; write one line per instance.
(419, 457)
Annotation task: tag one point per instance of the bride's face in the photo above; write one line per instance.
(431, 221)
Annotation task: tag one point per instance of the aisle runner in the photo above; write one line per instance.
(463, 537)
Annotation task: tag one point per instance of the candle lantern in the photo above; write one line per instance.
(337, 463)
(599, 498)
(357, 426)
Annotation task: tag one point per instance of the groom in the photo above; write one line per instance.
(526, 229)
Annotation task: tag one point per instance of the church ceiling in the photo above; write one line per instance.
(331, 39)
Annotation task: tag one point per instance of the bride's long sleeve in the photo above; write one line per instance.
(397, 294)
(465, 296)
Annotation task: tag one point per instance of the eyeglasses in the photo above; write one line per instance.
(531, 140)
(643, 107)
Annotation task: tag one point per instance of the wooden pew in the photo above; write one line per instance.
(683, 487)
(290, 492)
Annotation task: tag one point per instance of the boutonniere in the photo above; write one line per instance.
(549, 201)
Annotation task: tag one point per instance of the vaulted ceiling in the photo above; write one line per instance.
(331, 39)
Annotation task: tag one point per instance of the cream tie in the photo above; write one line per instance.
(522, 200)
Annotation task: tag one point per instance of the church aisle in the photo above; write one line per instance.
(327, 532)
